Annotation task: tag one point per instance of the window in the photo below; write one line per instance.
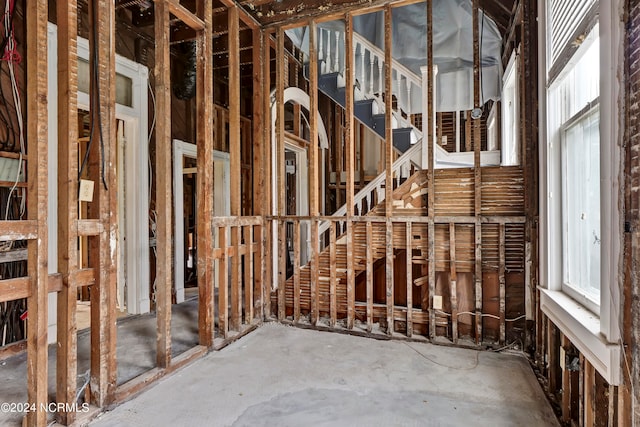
(510, 112)
(581, 209)
(580, 150)
(575, 126)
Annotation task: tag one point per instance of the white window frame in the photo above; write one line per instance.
(510, 149)
(597, 337)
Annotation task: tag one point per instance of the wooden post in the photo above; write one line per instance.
(453, 282)
(349, 157)
(477, 171)
(205, 177)
(369, 250)
(66, 355)
(566, 386)
(589, 384)
(333, 303)
(37, 119)
(280, 171)
(268, 232)
(235, 157)
(502, 281)
(296, 271)
(248, 274)
(163, 184)
(388, 95)
(431, 166)
(409, 266)
(282, 268)
(236, 279)
(313, 169)
(223, 283)
(389, 275)
(102, 166)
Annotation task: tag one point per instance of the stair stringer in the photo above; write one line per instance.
(409, 199)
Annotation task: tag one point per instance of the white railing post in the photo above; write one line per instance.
(336, 63)
(328, 69)
(371, 61)
(425, 116)
(380, 77)
(362, 86)
(320, 47)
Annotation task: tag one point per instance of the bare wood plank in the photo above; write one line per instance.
(431, 166)
(552, 357)
(478, 281)
(389, 277)
(350, 166)
(589, 394)
(313, 168)
(453, 282)
(236, 279)
(89, 227)
(333, 303)
(205, 179)
(185, 15)
(282, 269)
(260, 145)
(432, 278)
(245, 17)
(502, 282)
(566, 385)
(102, 167)
(54, 284)
(268, 236)
(235, 151)
(369, 273)
(13, 349)
(409, 267)
(249, 278)
(16, 288)
(388, 60)
(296, 271)
(18, 230)
(236, 221)
(259, 283)
(164, 202)
(234, 112)
(280, 165)
(14, 255)
(581, 385)
(223, 284)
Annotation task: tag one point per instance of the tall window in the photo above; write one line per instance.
(574, 118)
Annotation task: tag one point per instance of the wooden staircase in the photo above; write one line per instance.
(409, 199)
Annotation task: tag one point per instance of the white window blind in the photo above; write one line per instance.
(566, 16)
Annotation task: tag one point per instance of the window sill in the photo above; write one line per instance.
(582, 327)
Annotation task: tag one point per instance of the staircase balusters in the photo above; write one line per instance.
(361, 81)
(336, 62)
(320, 49)
(328, 69)
(399, 81)
(371, 61)
(380, 78)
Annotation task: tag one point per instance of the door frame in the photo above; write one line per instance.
(182, 149)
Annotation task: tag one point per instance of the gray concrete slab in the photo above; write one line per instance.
(284, 376)
(136, 354)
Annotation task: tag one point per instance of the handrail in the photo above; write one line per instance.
(403, 161)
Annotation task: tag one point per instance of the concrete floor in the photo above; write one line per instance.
(284, 376)
(136, 354)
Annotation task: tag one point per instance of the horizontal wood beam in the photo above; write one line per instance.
(18, 287)
(405, 219)
(185, 15)
(18, 230)
(89, 227)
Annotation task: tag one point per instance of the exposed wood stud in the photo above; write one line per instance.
(223, 283)
(234, 112)
(313, 167)
(409, 267)
(271, 227)
(102, 167)
(249, 278)
(296, 271)
(205, 178)
(282, 268)
(350, 166)
(566, 385)
(502, 282)
(431, 174)
(589, 394)
(389, 276)
(453, 282)
(236, 279)
(66, 353)
(280, 165)
(163, 184)
(333, 304)
(477, 171)
(369, 274)
(388, 60)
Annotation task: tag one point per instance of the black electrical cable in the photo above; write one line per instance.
(95, 110)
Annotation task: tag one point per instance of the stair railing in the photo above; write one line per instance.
(374, 192)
